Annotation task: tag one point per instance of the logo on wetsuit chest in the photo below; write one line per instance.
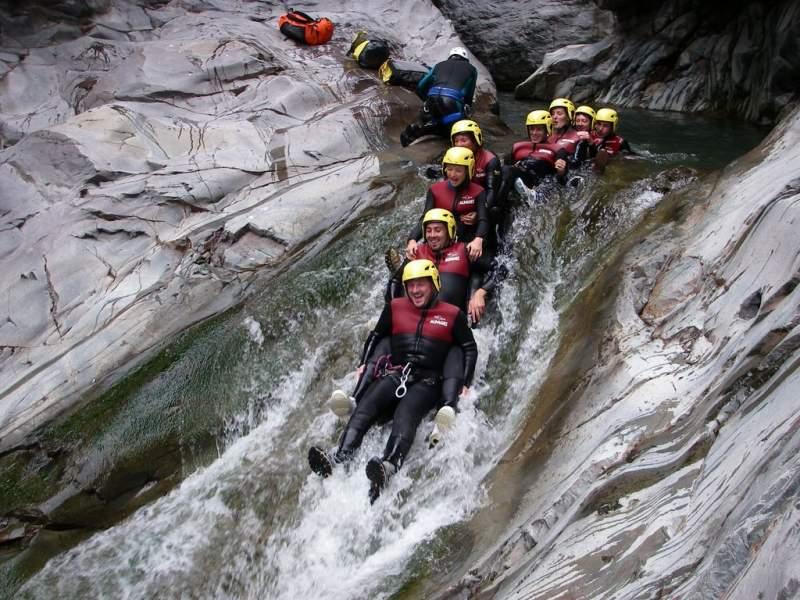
(439, 320)
(452, 257)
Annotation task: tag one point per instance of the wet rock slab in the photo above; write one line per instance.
(158, 159)
(673, 474)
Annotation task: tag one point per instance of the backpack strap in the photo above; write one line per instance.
(300, 16)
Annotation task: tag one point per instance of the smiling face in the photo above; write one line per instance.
(582, 122)
(537, 133)
(436, 235)
(560, 117)
(456, 174)
(420, 291)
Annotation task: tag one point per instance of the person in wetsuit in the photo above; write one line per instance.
(583, 121)
(447, 92)
(565, 136)
(422, 329)
(607, 142)
(465, 284)
(462, 197)
(530, 160)
(467, 134)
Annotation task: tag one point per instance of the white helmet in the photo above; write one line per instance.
(458, 51)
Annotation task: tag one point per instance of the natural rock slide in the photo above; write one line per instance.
(161, 161)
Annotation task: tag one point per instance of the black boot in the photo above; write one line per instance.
(378, 472)
(321, 462)
(409, 134)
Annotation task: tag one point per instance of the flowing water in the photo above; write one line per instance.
(252, 522)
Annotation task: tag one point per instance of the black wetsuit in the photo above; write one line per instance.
(446, 90)
(422, 339)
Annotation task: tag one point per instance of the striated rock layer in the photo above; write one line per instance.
(511, 38)
(742, 57)
(158, 158)
(668, 463)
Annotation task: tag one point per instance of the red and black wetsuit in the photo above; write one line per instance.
(421, 338)
(576, 149)
(527, 161)
(538, 158)
(612, 144)
(460, 278)
(467, 197)
(453, 265)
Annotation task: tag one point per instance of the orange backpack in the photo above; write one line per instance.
(302, 28)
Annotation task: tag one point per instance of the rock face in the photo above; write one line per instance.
(158, 158)
(511, 38)
(675, 471)
(740, 58)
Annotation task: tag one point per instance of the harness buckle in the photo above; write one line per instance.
(402, 390)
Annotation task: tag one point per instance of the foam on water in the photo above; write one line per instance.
(256, 524)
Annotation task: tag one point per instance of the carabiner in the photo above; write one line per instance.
(402, 389)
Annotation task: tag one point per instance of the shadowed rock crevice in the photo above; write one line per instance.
(740, 59)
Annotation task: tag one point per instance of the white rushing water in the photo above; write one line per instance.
(256, 524)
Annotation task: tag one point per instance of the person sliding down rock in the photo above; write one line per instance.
(422, 329)
(464, 283)
(463, 198)
(467, 134)
(447, 93)
(529, 161)
(563, 134)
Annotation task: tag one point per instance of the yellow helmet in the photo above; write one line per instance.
(466, 126)
(539, 117)
(460, 156)
(563, 103)
(608, 115)
(588, 111)
(416, 269)
(440, 215)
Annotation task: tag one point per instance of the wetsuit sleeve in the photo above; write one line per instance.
(508, 159)
(483, 274)
(464, 338)
(424, 84)
(482, 229)
(492, 179)
(469, 88)
(581, 154)
(563, 154)
(416, 233)
(626, 148)
(394, 288)
(382, 329)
